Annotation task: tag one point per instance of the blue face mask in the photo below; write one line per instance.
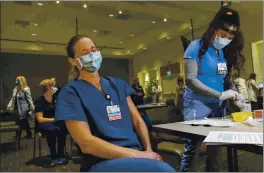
(91, 62)
(17, 83)
(220, 43)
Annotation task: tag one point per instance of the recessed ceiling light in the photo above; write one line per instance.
(120, 11)
(84, 6)
(153, 21)
(120, 42)
(168, 38)
(34, 34)
(165, 20)
(57, 2)
(111, 15)
(39, 3)
(35, 24)
(132, 35)
(94, 30)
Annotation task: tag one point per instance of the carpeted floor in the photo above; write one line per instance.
(13, 160)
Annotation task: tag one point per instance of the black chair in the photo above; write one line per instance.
(8, 124)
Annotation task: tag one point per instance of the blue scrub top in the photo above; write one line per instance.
(207, 70)
(77, 92)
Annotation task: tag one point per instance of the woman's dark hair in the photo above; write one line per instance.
(71, 44)
(232, 52)
(252, 76)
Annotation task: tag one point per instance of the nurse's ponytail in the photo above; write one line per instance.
(74, 72)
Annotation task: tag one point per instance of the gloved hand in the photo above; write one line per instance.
(229, 94)
(240, 103)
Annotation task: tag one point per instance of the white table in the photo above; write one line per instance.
(200, 132)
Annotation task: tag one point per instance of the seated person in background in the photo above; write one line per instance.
(138, 97)
(55, 88)
(101, 117)
(45, 109)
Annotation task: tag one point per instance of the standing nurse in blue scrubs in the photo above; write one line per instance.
(208, 62)
(102, 118)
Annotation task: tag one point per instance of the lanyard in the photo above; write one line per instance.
(107, 96)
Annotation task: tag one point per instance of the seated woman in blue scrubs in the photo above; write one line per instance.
(207, 62)
(45, 109)
(101, 117)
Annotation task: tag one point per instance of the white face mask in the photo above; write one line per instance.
(220, 43)
(54, 90)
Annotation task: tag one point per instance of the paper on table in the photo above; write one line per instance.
(225, 137)
(212, 122)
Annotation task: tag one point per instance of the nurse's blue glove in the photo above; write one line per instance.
(229, 94)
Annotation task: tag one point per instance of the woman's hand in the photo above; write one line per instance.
(9, 109)
(148, 155)
(229, 94)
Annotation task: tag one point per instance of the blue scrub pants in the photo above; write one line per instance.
(131, 165)
(197, 110)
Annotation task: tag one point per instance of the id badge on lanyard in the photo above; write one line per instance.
(113, 112)
(222, 68)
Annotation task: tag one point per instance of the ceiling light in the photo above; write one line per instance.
(132, 35)
(165, 20)
(120, 12)
(94, 30)
(57, 2)
(153, 21)
(163, 35)
(40, 4)
(168, 38)
(35, 24)
(120, 42)
(34, 34)
(84, 6)
(111, 15)
(144, 48)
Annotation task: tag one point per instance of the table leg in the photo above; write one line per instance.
(230, 159)
(235, 161)
(215, 158)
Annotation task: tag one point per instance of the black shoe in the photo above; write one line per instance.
(62, 161)
(53, 162)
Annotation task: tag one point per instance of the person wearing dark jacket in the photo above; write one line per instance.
(138, 97)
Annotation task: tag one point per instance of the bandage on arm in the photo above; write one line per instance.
(191, 69)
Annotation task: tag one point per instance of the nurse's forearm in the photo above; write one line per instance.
(142, 132)
(191, 69)
(100, 148)
(46, 120)
(139, 125)
(89, 144)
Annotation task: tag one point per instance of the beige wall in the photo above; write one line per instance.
(154, 57)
